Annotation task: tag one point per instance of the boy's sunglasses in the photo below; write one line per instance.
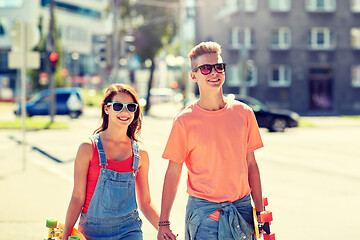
(118, 106)
(207, 68)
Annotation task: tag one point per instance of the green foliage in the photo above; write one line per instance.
(355, 117)
(33, 123)
(305, 123)
(92, 97)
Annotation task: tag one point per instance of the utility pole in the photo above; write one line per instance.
(50, 48)
(115, 42)
(184, 36)
(24, 36)
(243, 52)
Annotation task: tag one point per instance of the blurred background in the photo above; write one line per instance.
(299, 55)
(295, 62)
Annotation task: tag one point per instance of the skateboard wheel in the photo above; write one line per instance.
(269, 236)
(73, 238)
(266, 216)
(51, 223)
(265, 201)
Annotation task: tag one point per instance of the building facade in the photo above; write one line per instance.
(301, 55)
(77, 21)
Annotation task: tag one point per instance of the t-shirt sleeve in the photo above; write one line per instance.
(254, 137)
(175, 149)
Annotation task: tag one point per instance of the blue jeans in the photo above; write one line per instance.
(126, 228)
(208, 230)
(235, 222)
(112, 212)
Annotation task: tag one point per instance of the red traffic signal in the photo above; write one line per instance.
(53, 57)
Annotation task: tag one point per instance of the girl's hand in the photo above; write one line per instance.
(165, 233)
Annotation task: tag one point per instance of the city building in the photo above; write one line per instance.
(303, 55)
(78, 21)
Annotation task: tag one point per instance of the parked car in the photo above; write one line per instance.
(162, 95)
(68, 102)
(276, 120)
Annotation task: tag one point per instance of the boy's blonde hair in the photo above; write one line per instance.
(203, 48)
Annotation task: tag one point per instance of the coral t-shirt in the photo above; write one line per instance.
(94, 172)
(214, 145)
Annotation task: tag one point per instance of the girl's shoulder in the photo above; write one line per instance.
(86, 147)
(87, 143)
(144, 156)
(142, 148)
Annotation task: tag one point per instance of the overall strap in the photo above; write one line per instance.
(101, 151)
(135, 148)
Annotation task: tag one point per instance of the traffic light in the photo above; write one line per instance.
(53, 58)
(103, 50)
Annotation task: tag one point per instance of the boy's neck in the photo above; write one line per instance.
(211, 102)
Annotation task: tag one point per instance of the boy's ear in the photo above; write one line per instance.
(192, 75)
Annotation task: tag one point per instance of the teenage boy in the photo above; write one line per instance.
(216, 138)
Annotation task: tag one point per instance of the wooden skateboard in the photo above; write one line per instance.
(56, 230)
(264, 224)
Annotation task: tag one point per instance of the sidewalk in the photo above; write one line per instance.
(27, 195)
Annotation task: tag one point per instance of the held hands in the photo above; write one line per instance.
(165, 232)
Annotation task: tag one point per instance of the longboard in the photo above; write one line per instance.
(264, 223)
(56, 230)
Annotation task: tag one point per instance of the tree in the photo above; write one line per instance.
(154, 24)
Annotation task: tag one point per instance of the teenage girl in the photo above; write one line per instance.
(111, 168)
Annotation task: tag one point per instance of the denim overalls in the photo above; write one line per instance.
(236, 219)
(112, 213)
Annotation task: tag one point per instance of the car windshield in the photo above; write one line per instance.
(36, 97)
(256, 105)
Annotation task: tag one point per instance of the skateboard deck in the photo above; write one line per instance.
(264, 225)
(56, 230)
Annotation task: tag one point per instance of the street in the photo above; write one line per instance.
(310, 176)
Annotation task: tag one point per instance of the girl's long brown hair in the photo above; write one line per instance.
(134, 128)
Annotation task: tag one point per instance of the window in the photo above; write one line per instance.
(355, 38)
(355, 5)
(280, 5)
(3, 26)
(234, 76)
(280, 38)
(321, 39)
(228, 8)
(74, 33)
(11, 3)
(250, 5)
(279, 76)
(238, 37)
(320, 5)
(4, 62)
(232, 3)
(355, 75)
(73, 8)
(2, 30)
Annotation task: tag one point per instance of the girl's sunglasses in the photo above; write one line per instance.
(207, 68)
(118, 106)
